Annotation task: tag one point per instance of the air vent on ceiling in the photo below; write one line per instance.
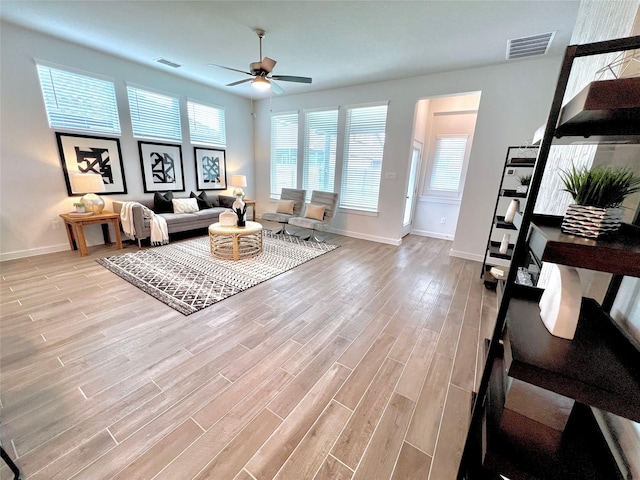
(529, 46)
(168, 63)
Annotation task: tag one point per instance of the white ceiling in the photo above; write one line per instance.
(337, 43)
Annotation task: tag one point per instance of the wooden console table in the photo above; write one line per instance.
(252, 204)
(75, 229)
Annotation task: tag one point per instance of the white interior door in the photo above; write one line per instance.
(416, 154)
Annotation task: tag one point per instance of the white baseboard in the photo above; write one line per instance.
(33, 252)
(373, 238)
(466, 255)
(426, 233)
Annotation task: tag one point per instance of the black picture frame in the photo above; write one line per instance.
(91, 154)
(211, 168)
(161, 165)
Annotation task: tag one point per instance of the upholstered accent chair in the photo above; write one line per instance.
(284, 210)
(318, 213)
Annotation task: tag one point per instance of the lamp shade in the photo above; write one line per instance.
(87, 183)
(238, 181)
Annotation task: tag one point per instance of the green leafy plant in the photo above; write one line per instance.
(78, 204)
(525, 179)
(601, 186)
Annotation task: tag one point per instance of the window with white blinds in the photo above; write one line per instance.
(447, 163)
(206, 124)
(319, 159)
(284, 152)
(154, 115)
(79, 102)
(362, 164)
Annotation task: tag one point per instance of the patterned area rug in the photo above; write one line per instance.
(185, 275)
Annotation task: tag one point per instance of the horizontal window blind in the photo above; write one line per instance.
(79, 102)
(207, 124)
(447, 163)
(154, 115)
(364, 147)
(319, 159)
(284, 152)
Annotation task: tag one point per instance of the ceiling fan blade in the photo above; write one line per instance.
(290, 78)
(229, 68)
(238, 82)
(275, 88)
(267, 64)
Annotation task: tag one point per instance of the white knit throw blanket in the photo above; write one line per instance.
(159, 231)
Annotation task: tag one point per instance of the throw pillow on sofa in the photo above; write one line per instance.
(203, 200)
(162, 202)
(185, 205)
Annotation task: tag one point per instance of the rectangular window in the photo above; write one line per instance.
(363, 149)
(154, 115)
(284, 152)
(447, 163)
(79, 102)
(207, 124)
(319, 160)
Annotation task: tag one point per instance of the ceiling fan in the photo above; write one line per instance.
(261, 73)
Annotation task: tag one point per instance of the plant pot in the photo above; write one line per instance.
(591, 222)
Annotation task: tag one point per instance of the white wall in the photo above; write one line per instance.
(515, 101)
(32, 187)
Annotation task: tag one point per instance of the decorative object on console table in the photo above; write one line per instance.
(598, 194)
(161, 165)
(89, 184)
(80, 154)
(211, 168)
(238, 181)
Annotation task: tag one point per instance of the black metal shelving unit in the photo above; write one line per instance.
(599, 367)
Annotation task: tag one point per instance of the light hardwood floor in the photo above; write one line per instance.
(357, 365)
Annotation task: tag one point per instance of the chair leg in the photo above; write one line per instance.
(10, 464)
(316, 238)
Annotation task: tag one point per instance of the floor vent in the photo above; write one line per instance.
(168, 63)
(529, 46)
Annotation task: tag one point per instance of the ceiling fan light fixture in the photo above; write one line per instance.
(261, 83)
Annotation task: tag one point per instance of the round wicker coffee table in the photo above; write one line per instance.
(234, 243)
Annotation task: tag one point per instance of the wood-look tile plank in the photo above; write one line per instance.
(380, 456)
(358, 431)
(315, 446)
(332, 469)
(149, 463)
(424, 426)
(412, 464)
(268, 460)
(230, 461)
(455, 423)
(414, 374)
(364, 341)
(464, 366)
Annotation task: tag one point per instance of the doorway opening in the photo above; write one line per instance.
(442, 138)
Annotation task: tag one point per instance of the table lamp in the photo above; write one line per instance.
(238, 181)
(89, 184)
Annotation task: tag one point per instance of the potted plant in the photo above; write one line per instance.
(524, 180)
(598, 193)
(80, 208)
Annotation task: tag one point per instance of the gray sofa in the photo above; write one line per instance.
(176, 222)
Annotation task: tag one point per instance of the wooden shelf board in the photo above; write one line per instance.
(500, 223)
(494, 251)
(599, 367)
(520, 448)
(618, 253)
(606, 107)
(512, 193)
